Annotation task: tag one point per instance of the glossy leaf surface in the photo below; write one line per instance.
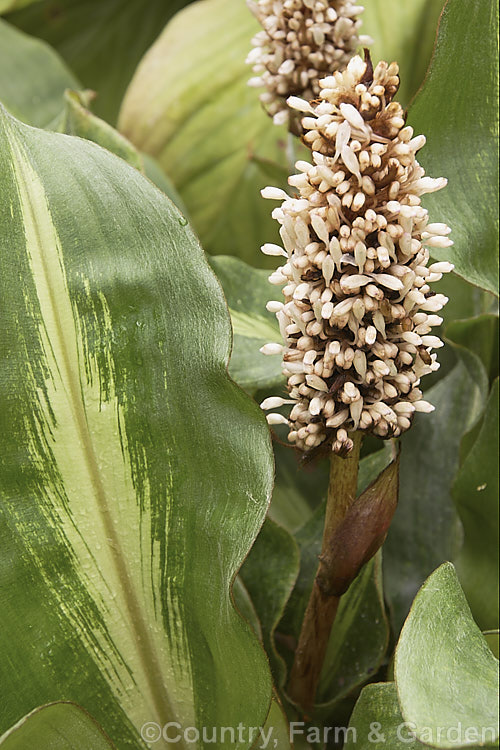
(457, 109)
(57, 726)
(123, 518)
(33, 77)
(446, 675)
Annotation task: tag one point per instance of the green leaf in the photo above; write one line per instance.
(405, 31)
(190, 107)
(102, 41)
(56, 726)
(464, 301)
(156, 174)
(269, 573)
(492, 639)
(245, 606)
(276, 732)
(457, 109)
(33, 77)
(475, 492)
(123, 519)
(7, 6)
(480, 335)
(376, 722)
(425, 529)
(247, 291)
(446, 675)
(78, 120)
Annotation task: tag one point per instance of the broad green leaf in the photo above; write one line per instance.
(376, 722)
(446, 675)
(457, 109)
(134, 474)
(426, 530)
(404, 31)
(101, 40)
(269, 573)
(247, 291)
(56, 726)
(189, 106)
(33, 77)
(475, 492)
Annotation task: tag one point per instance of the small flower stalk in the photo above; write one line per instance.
(301, 42)
(358, 309)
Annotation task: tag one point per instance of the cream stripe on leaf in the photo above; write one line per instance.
(123, 520)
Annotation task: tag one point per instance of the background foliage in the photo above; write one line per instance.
(172, 101)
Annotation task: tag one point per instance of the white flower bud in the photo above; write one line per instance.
(271, 348)
(276, 419)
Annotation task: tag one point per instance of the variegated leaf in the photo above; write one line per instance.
(134, 475)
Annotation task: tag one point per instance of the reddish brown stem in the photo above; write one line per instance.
(323, 604)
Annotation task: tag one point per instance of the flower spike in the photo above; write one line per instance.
(301, 41)
(358, 306)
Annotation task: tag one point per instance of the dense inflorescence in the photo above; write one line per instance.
(358, 309)
(301, 42)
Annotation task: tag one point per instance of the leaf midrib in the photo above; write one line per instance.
(151, 669)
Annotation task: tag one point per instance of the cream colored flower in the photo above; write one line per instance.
(301, 41)
(358, 309)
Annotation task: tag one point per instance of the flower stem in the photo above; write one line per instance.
(323, 603)
(290, 153)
